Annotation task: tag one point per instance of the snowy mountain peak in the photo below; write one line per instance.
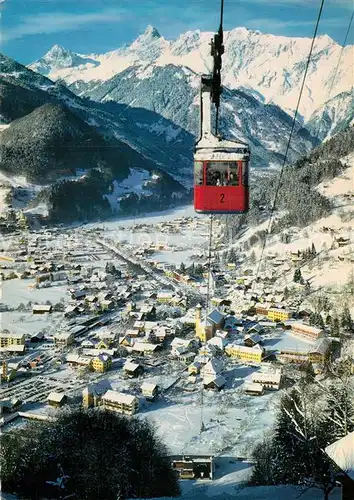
(58, 58)
(150, 35)
(56, 51)
(148, 46)
(151, 31)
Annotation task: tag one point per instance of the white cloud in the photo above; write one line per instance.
(60, 21)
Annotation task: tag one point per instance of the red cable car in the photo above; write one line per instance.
(220, 167)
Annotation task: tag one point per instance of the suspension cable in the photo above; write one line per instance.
(288, 144)
(209, 267)
(219, 48)
(218, 52)
(206, 314)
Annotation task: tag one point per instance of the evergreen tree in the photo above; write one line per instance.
(297, 276)
(191, 269)
(293, 433)
(286, 293)
(316, 320)
(232, 257)
(320, 322)
(312, 319)
(313, 250)
(340, 407)
(182, 268)
(101, 455)
(199, 270)
(295, 454)
(328, 320)
(335, 327)
(346, 320)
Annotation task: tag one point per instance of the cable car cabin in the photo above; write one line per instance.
(220, 166)
(221, 178)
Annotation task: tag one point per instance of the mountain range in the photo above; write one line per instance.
(268, 67)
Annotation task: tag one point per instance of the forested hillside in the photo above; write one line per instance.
(51, 139)
(297, 200)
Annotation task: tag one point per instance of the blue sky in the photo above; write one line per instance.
(30, 27)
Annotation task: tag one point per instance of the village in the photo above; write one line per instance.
(132, 320)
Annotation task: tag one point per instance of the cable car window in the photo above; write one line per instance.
(245, 173)
(222, 173)
(198, 173)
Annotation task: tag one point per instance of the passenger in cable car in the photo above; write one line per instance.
(232, 181)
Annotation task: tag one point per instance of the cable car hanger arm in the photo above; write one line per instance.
(217, 50)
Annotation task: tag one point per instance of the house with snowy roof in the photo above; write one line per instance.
(139, 326)
(194, 368)
(160, 333)
(251, 339)
(231, 322)
(133, 369)
(57, 399)
(107, 337)
(207, 349)
(102, 363)
(133, 333)
(269, 380)
(244, 353)
(149, 390)
(254, 389)
(148, 312)
(88, 344)
(223, 334)
(145, 348)
(213, 368)
(218, 341)
(311, 332)
(92, 394)
(341, 452)
(119, 402)
(164, 297)
(318, 352)
(76, 360)
(180, 346)
(215, 383)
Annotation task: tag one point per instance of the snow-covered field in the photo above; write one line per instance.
(133, 183)
(17, 291)
(28, 323)
(152, 218)
(17, 182)
(184, 244)
(231, 486)
(285, 340)
(233, 422)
